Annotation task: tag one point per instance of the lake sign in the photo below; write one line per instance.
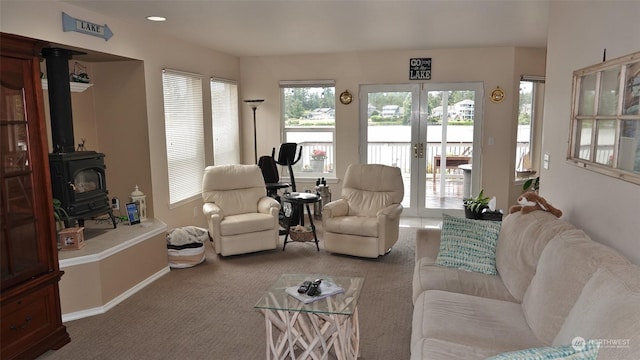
(85, 27)
(420, 69)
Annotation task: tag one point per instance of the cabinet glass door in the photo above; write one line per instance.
(21, 256)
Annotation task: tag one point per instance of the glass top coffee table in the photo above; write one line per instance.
(296, 330)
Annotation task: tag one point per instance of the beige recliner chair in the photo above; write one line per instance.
(365, 221)
(241, 218)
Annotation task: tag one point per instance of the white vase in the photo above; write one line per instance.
(317, 165)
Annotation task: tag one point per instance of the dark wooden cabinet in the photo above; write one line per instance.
(31, 323)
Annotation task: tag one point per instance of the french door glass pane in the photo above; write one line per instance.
(389, 133)
(450, 118)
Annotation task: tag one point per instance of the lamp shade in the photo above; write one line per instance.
(254, 103)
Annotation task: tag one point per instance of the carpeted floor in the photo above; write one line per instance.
(206, 312)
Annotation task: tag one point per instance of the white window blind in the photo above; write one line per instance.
(224, 109)
(183, 114)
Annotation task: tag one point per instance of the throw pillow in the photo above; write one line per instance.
(468, 244)
(579, 350)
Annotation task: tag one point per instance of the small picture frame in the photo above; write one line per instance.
(71, 238)
(133, 213)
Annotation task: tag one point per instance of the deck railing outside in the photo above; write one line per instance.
(392, 153)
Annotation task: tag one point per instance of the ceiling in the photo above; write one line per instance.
(292, 27)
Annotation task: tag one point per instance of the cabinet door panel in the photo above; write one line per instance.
(22, 225)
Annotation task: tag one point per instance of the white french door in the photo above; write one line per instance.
(432, 132)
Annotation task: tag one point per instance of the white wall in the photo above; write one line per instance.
(606, 208)
(43, 20)
(260, 78)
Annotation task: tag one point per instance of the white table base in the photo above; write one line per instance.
(307, 335)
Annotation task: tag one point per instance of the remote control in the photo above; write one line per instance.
(304, 287)
(314, 288)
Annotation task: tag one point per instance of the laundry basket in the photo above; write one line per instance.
(185, 246)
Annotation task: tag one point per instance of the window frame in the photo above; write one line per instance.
(537, 106)
(620, 64)
(306, 153)
(179, 178)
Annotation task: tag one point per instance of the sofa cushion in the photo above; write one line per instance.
(468, 244)
(521, 241)
(565, 265)
(353, 225)
(436, 349)
(608, 309)
(585, 351)
(428, 276)
(246, 223)
(495, 325)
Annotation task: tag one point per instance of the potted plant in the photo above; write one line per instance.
(317, 160)
(473, 206)
(59, 214)
(532, 184)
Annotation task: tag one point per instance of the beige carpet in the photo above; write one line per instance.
(206, 312)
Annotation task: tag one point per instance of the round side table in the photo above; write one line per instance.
(299, 200)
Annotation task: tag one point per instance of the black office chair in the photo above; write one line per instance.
(269, 168)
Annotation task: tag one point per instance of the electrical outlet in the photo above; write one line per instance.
(115, 204)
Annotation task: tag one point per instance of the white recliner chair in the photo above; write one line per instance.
(241, 217)
(365, 221)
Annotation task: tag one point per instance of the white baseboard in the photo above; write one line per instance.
(117, 300)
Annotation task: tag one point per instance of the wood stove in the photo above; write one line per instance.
(77, 177)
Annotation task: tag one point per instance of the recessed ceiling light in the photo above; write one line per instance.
(156, 18)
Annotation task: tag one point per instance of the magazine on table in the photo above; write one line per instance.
(327, 288)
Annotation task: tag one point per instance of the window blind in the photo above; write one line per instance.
(184, 129)
(224, 109)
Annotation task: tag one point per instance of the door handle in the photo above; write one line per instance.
(418, 151)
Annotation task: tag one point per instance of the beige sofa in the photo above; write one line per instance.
(554, 284)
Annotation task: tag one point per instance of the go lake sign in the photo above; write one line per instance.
(85, 27)
(420, 69)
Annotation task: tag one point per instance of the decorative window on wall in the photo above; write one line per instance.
(605, 122)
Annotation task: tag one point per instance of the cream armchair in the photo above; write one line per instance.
(365, 221)
(241, 218)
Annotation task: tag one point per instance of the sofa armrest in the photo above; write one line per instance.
(211, 209)
(392, 211)
(268, 205)
(335, 208)
(428, 243)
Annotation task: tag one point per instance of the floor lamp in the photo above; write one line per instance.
(254, 105)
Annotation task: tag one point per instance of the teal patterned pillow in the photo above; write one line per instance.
(469, 244)
(585, 350)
